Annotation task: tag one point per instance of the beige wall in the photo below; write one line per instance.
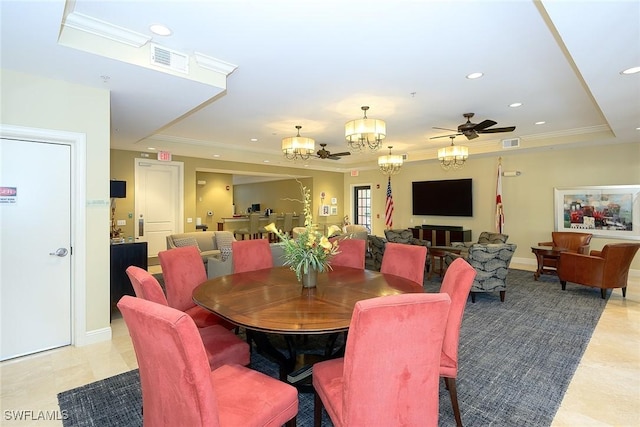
(528, 198)
(35, 102)
(217, 198)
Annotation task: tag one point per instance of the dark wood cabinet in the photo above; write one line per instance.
(122, 256)
(440, 235)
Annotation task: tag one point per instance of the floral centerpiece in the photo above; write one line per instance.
(310, 251)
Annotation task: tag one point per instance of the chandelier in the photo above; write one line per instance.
(453, 156)
(391, 163)
(365, 132)
(298, 147)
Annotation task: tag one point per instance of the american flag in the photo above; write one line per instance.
(499, 209)
(388, 213)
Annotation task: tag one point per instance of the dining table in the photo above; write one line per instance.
(272, 301)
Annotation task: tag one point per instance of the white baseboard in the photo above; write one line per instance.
(95, 336)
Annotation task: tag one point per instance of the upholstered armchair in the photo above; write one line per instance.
(376, 247)
(491, 262)
(485, 238)
(605, 269)
(573, 242)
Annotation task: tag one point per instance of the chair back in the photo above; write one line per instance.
(391, 361)
(489, 238)
(297, 231)
(254, 224)
(351, 253)
(250, 255)
(145, 285)
(618, 257)
(287, 225)
(175, 376)
(405, 261)
(575, 242)
(182, 270)
(457, 284)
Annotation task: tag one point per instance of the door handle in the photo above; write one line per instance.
(141, 227)
(61, 252)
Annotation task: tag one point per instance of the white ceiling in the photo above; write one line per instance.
(314, 63)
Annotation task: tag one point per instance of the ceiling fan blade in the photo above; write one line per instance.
(451, 130)
(345, 153)
(445, 136)
(332, 157)
(470, 135)
(484, 124)
(497, 130)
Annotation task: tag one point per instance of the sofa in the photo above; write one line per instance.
(223, 265)
(209, 243)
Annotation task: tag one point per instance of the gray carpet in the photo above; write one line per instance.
(516, 361)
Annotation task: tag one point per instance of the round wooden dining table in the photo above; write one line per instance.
(272, 301)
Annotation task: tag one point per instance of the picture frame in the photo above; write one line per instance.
(324, 210)
(334, 210)
(611, 211)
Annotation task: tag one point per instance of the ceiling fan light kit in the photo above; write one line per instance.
(365, 132)
(453, 156)
(298, 147)
(390, 164)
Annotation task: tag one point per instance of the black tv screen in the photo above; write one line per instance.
(118, 189)
(452, 197)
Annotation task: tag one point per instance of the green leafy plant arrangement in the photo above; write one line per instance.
(310, 249)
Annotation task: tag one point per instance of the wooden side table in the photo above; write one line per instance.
(440, 252)
(551, 254)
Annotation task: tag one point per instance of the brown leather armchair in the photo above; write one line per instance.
(574, 242)
(606, 269)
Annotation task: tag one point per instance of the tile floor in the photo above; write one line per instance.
(605, 390)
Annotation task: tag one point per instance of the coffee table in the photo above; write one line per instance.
(440, 252)
(550, 254)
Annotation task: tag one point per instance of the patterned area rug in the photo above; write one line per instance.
(516, 361)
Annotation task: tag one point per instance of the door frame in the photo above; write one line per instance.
(77, 143)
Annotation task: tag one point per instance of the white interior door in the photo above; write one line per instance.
(159, 202)
(35, 249)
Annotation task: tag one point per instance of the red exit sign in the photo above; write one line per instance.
(164, 155)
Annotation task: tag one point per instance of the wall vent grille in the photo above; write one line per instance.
(511, 143)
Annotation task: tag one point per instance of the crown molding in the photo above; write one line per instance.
(104, 29)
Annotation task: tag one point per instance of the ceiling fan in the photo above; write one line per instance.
(471, 130)
(324, 154)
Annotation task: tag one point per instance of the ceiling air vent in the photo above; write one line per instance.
(511, 143)
(167, 58)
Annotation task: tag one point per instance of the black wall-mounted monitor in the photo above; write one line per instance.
(453, 197)
(118, 189)
(255, 207)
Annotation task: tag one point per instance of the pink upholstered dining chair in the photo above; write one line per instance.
(351, 253)
(457, 284)
(390, 370)
(180, 389)
(221, 345)
(405, 261)
(250, 255)
(183, 270)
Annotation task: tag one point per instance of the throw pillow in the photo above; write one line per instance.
(186, 241)
(223, 239)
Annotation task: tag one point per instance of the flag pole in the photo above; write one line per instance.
(499, 205)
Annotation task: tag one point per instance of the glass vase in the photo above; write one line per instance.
(310, 278)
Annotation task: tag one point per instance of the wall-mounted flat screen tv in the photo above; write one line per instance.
(451, 197)
(118, 189)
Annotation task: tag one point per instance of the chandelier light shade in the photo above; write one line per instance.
(298, 147)
(391, 163)
(365, 132)
(453, 156)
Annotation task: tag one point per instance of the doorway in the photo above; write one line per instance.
(159, 202)
(362, 206)
(36, 250)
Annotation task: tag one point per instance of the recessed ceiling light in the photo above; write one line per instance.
(515, 104)
(474, 76)
(160, 30)
(254, 139)
(540, 123)
(631, 70)
(151, 148)
(265, 161)
(638, 128)
(216, 155)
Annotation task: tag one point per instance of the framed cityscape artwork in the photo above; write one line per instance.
(605, 211)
